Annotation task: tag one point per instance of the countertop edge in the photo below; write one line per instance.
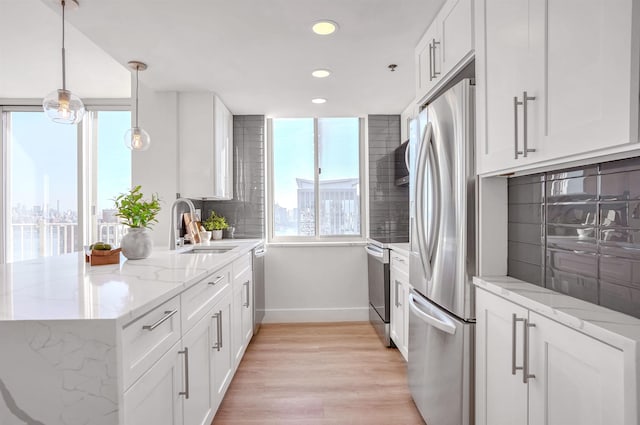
(612, 327)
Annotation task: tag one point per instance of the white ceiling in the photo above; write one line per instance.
(257, 55)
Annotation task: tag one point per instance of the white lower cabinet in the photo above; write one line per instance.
(223, 365)
(533, 370)
(155, 398)
(198, 374)
(187, 383)
(242, 309)
(399, 287)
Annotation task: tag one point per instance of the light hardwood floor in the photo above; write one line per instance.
(319, 374)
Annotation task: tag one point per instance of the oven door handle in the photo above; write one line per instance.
(431, 315)
(374, 253)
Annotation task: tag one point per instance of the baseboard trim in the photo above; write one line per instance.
(351, 314)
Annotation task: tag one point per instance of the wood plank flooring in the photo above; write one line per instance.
(319, 374)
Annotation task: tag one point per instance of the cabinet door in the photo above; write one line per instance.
(501, 61)
(397, 317)
(155, 398)
(198, 407)
(578, 379)
(456, 30)
(428, 67)
(221, 348)
(584, 75)
(247, 308)
(501, 396)
(222, 152)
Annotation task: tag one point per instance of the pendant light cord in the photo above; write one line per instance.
(137, 85)
(64, 76)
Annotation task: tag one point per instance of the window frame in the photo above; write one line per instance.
(86, 163)
(317, 239)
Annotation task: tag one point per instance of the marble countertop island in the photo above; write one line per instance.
(67, 288)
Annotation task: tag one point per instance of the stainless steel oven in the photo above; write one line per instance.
(379, 294)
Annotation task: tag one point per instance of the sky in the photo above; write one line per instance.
(43, 160)
(293, 153)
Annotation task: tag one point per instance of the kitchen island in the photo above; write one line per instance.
(111, 344)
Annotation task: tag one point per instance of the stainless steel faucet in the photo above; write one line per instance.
(175, 223)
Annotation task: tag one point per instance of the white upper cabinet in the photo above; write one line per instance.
(446, 46)
(576, 61)
(206, 146)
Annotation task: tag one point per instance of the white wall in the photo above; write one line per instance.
(156, 169)
(316, 284)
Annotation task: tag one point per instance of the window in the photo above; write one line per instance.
(59, 181)
(315, 178)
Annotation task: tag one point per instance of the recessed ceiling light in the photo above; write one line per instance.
(318, 100)
(324, 27)
(321, 73)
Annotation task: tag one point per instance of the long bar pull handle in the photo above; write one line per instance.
(396, 293)
(516, 103)
(525, 144)
(525, 371)
(514, 321)
(218, 317)
(167, 315)
(185, 393)
(435, 43)
(431, 59)
(246, 286)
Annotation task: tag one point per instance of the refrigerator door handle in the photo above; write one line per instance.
(435, 193)
(431, 315)
(420, 171)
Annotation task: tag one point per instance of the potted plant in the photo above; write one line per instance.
(139, 215)
(216, 224)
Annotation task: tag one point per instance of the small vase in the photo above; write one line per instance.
(137, 243)
(216, 235)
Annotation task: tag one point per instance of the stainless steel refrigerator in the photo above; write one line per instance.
(443, 258)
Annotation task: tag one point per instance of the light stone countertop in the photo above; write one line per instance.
(609, 326)
(67, 288)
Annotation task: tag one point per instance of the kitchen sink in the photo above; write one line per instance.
(208, 250)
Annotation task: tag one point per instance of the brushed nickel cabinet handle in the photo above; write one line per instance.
(435, 43)
(217, 279)
(396, 292)
(516, 103)
(167, 315)
(246, 285)
(514, 321)
(218, 344)
(431, 58)
(525, 100)
(525, 371)
(185, 393)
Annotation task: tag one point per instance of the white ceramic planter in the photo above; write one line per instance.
(137, 243)
(216, 235)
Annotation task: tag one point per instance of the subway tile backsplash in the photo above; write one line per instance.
(246, 211)
(388, 203)
(577, 231)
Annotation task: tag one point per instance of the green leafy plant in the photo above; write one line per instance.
(215, 222)
(135, 211)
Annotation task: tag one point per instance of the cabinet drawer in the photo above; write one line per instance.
(197, 300)
(400, 262)
(145, 340)
(241, 265)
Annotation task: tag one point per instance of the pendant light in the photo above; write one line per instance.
(61, 105)
(136, 138)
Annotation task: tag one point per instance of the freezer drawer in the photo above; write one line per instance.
(441, 363)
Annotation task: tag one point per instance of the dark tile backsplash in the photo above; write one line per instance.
(246, 211)
(577, 231)
(388, 203)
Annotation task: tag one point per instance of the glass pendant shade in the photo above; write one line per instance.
(137, 139)
(63, 107)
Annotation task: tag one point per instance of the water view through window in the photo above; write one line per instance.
(42, 182)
